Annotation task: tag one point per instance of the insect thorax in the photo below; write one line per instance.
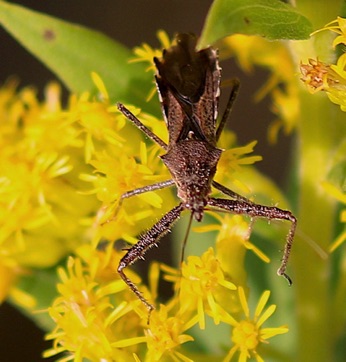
(192, 164)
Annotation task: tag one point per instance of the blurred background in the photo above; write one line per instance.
(132, 22)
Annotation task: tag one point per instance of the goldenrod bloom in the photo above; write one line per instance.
(233, 158)
(40, 208)
(331, 78)
(145, 53)
(202, 281)
(248, 333)
(62, 176)
(165, 336)
(85, 317)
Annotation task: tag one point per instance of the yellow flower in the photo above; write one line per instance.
(233, 158)
(232, 242)
(99, 318)
(234, 233)
(337, 26)
(98, 126)
(319, 76)
(40, 210)
(331, 78)
(146, 53)
(121, 162)
(50, 156)
(90, 319)
(248, 333)
(119, 168)
(200, 284)
(164, 336)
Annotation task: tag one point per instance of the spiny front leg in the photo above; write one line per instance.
(147, 241)
(131, 117)
(135, 192)
(268, 212)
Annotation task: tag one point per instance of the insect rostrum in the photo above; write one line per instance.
(188, 83)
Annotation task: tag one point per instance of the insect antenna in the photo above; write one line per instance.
(185, 239)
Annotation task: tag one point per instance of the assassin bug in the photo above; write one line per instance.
(188, 83)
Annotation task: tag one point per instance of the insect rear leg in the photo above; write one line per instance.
(145, 242)
(229, 192)
(269, 212)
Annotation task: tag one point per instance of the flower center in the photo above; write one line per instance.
(245, 335)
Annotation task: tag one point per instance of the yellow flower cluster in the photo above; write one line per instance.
(63, 172)
(98, 318)
(50, 157)
(331, 78)
(40, 220)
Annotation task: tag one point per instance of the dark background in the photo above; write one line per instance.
(130, 22)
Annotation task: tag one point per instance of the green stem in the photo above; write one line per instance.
(321, 129)
(316, 215)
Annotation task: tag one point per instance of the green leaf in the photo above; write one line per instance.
(271, 19)
(72, 52)
(41, 284)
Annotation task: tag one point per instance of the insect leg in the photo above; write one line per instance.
(268, 212)
(234, 91)
(130, 116)
(229, 192)
(141, 190)
(145, 242)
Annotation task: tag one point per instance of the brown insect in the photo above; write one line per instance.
(188, 83)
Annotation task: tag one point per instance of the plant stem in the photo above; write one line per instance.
(316, 215)
(321, 129)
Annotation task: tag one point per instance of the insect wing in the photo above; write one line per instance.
(173, 112)
(206, 109)
(188, 84)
